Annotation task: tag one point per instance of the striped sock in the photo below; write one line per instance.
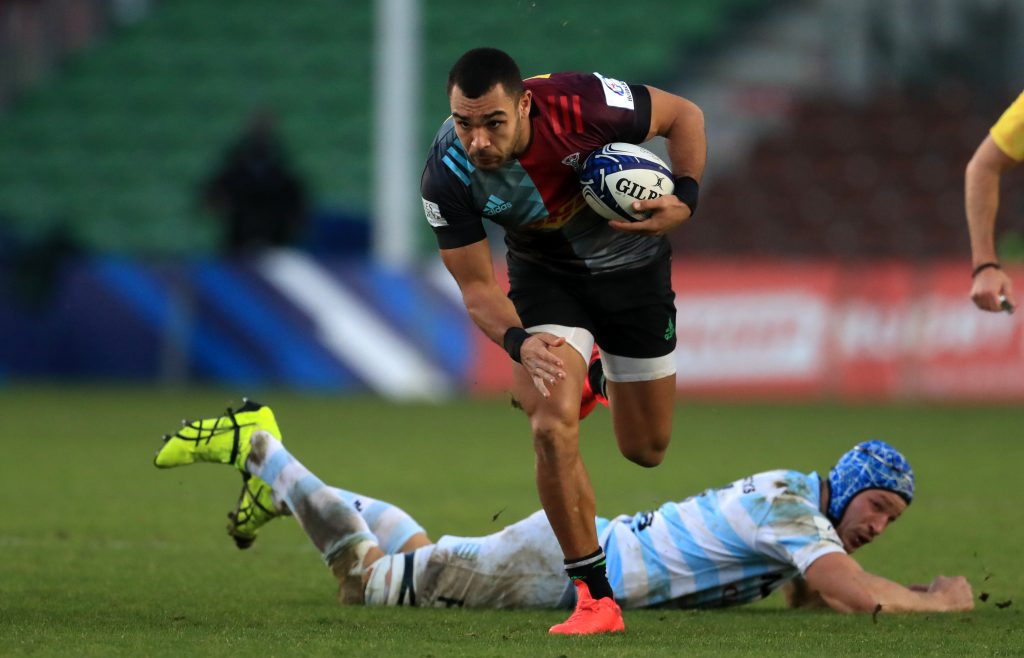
(591, 570)
(331, 523)
(390, 524)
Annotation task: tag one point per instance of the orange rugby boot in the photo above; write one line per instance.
(592, 615)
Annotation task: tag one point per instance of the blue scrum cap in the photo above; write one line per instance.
(869, 465)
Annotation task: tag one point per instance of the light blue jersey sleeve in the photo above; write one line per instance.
(726, 546)
(794, 530)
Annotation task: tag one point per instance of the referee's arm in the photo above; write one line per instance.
(981, 193)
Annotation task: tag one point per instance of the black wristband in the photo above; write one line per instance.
(513, 341)
(984, 266)
(686, 190)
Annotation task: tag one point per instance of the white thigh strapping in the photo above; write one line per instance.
(385, 580)
(629, 369)
(616, 368)
(579, 338)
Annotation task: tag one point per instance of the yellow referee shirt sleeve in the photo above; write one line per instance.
(1008, 133)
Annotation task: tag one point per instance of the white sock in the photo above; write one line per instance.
(389, 523)
(332, 524)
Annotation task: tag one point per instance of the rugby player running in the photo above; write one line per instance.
(510, 152)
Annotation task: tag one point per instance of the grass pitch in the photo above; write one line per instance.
(102, 554)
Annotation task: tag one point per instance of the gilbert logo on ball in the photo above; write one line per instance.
(617, 174)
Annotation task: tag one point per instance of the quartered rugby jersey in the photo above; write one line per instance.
(537, 198)
(726, 546)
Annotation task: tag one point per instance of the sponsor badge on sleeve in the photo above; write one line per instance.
(433, 213)
(616, 92)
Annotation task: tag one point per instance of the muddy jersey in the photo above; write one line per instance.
(537, 197)
(727, 546)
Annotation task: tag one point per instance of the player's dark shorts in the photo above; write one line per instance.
(631, 313)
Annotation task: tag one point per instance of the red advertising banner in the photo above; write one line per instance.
(747, 328)
(806, 330)
(959, 352)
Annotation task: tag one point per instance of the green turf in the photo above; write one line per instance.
(102, 554)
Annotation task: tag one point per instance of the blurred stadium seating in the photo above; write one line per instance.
(881, 178)
(103, 156)
(112, 145)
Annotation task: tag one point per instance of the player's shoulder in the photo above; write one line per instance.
(560, 79)
(757, 494)
(787, 482)
(444, 138)
(600, 97)
(591, 83)
(447, 164)
(789, 494)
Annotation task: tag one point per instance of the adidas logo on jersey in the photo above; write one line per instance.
(496, 205)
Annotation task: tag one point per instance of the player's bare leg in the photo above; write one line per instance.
(566, 493)
(562, 481)
(642, 418)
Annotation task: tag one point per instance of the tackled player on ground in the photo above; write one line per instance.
(727, 546)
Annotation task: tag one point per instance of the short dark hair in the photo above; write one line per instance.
(480, 69)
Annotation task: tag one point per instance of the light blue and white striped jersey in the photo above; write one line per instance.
(726, 546)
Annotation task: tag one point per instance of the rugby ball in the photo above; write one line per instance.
(617, 174)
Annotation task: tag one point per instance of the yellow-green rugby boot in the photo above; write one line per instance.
(255, 509)
(220, 440)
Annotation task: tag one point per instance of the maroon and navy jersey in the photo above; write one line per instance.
(537, 197)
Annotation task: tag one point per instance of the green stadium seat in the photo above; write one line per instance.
(119, 139)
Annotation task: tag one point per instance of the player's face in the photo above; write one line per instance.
(868, 515)
(493, 128)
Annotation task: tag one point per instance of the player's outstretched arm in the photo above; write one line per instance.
(981, 192)
(493, 312)
(800, 595)
(846, 587)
